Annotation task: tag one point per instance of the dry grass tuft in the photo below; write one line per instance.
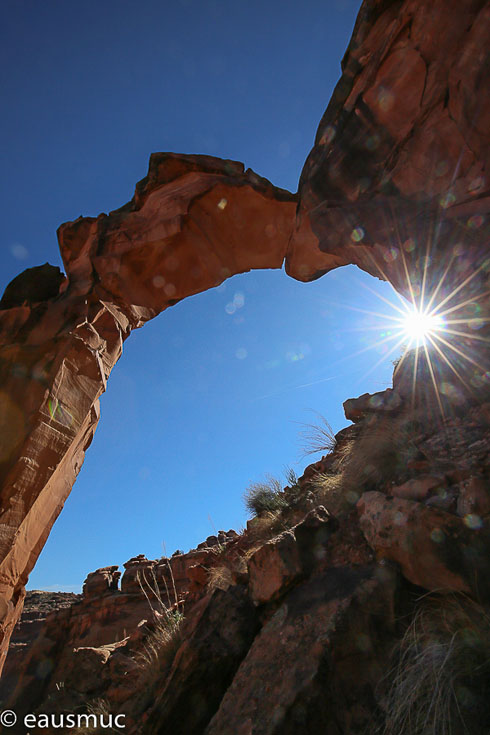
(441, 684)
(265, 497)
(331, 491)
(318, 438)
(164, 638)
(268, 525)
(161, 644)
(98, 718)
(220, 578)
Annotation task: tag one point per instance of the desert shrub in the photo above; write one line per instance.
(265, 497)
(164, 637)
(318, 437)
(161, 643)
(441, 681)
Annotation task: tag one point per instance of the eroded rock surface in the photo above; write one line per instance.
(397, 183)
(291, 626)
(194, 221)
(399, 170)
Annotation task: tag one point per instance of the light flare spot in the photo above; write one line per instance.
(385, 99)
(328, 135)
(238, 300)
(59, 413)
(158, 281)
(476, 184)
(447, 200)
(357, 234)
(241, 353)
(419, 325)
(363, 642)
(19, 251)
(475, 221)
(437, 536)
(473, 521)
(390, 255)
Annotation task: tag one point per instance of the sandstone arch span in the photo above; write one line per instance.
(397, 179)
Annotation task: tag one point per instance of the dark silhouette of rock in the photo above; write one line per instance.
(32, 286)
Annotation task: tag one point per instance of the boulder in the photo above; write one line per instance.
(435, 550)
(102, 581)
(356, 409)
(418, 488)
(274, 567)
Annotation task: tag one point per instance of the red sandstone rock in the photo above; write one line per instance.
(434, 549)
(417, 488)
(194, 221)
(102, 581)
(402, 146)
(274, 567)
(314, 659)
(356, 409)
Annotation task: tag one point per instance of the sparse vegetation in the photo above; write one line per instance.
(268, 498)
(318, 438)
(330, 490)
(265, 497)
(378, 455)
(219, 578)
(165, 635)
(441, 683)
(98, 713)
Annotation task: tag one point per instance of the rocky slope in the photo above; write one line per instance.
(397, 183)
(379, 553)
(37, 606)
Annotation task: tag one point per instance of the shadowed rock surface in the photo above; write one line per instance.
(294, 625)
(397, 183)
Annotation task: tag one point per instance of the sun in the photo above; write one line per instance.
(420, 326)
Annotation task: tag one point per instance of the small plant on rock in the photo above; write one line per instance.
(265, 497)
(441, 682)
(220, 578)
(165, 635)
(318, 438)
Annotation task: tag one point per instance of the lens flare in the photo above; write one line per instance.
(419, 326)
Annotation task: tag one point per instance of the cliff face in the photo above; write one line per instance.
(397, 183)
(399, 169)
(340, 611)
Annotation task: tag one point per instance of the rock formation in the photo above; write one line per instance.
(397, 183)
(293, 625)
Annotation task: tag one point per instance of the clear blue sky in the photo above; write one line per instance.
(207, 397)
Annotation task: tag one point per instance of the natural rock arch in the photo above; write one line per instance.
(396, 176)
